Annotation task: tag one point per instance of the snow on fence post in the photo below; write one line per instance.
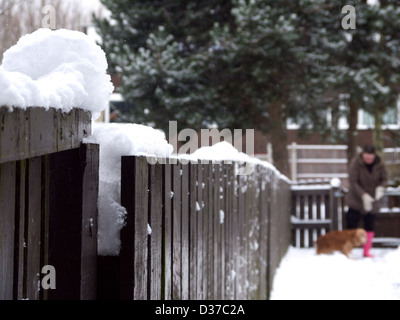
(219, 235)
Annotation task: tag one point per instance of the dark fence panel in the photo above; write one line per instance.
(48, 203)
(7, 230)
(48, 216)
(72, 234)
(316, 209)
(198, 231)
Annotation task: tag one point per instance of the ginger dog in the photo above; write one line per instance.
(343, 241)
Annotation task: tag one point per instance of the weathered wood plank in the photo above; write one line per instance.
(35, 132)
(167, 232)
(206, 254)
(140, 267)
(45, 219)
(193, 243)
(89, 158)
(134, 236)
(155, 219)
(14, 126)
(242, 234)
(69, 222)
(176, 234)
(264, 230)
(185, 227)
(7, 228)
(217, 273)
(200, 233)
(42, 131)
(223, 226)
(229, 198)
(210, 239)
(20, 244)
(128, 190)
(65, 223)
(33, 230)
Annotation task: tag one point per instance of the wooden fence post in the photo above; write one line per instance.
(293, 159)
(7, 229)
(134, 248)
(73, 222)
(167, 232)
(155, 224)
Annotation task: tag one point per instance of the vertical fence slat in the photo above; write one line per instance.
(223, 225)
(176, 234)
(89, 158)
(230, 267)
(185, 229)
(216, 234)
(7, 209)
(21, 189)
(193, 263)
(65, 223)
(32, 230)
(167, 231)
(200, 233)
(263, 242)
(72, 246)
(155, 252)
(140, 230)
(206, 231)
(210, 239)
(134, 249)
(235, 232)
(242, 235)
(128, 190)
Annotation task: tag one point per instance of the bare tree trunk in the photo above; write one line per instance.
(279, 137)
(352, 132)
(378, 132)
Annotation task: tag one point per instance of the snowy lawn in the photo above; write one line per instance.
(303, 275)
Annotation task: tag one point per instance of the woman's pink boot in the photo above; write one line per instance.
(368, 245)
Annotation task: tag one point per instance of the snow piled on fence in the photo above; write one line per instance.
(118, 140)
(62, 69)
(304, 275)
(225, 151)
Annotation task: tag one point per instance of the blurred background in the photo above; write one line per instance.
(313, 90)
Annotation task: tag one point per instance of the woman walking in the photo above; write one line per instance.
(368, 179)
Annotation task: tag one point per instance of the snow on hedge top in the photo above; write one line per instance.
(62, 69)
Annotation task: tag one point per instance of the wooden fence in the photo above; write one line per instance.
(198, 231)
(317, 209)
(48, 204)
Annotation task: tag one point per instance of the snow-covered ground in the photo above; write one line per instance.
(303, 275)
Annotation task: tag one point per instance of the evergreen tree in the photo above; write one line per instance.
(366, 65)
(158, 49)
(272, 67)
(253, 63)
